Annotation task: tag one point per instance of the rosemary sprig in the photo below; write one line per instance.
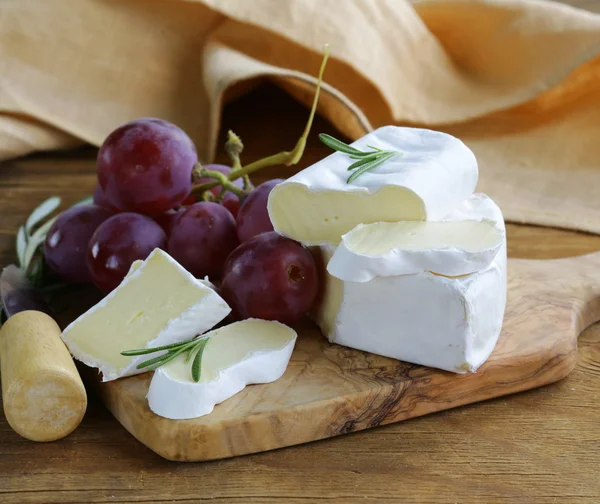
(193, 347)
(29, 247)
(366, 160)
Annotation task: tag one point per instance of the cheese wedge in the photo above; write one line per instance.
(384, 249)
(158, 303)
(450, 323)
(236, 355)
(136, 264)
(434, 174)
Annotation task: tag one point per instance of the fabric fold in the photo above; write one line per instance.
(516, 80)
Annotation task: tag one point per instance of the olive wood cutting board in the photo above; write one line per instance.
(330, 390)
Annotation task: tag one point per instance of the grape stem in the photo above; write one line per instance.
(287, 158)
(234, 147)
(220, 179)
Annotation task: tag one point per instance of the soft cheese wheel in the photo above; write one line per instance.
(400, 248)
(158, 303)
(450, 323)
(434, 174)
(243, 353)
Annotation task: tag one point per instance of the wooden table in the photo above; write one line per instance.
(541, 446)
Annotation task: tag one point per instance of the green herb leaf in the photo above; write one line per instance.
(41, 212)
(193, 346)
(150, 362)
(198, 360)
(365, 160)
(21, 246)
(373, 164)
(34, 242)
(155, 363)
(338, 145)
(28, 244)
(145, 351)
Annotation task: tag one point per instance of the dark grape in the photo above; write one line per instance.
(146, 166)
(202, 238)
(100, 199)
(66, 245)
(253, 218)
(167, 220)
(270, 277)
(118, 242)
(230, 200)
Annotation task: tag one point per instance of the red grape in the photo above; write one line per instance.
(118, 242)
(100, 199)
(202, 238)
(66, 245)
(270, 277)
(230, 200)
(253, 218)
(167, 220)
(146, 166)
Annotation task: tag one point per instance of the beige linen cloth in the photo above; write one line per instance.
(517, 80)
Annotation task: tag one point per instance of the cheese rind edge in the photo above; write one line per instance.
(205, 309)
(173, 394)
(423, 318)
(435, 173)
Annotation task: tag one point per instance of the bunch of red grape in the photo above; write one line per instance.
(145, 200)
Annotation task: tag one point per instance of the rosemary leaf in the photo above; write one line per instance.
(198, 361)
(161, 361)
(21, 246)
(363, 161)
(338, 145)
(370, 166)
(154, 360)
(190, 354)
(144, 351)
(41, 212)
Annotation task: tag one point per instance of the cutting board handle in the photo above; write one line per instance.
(574, 280)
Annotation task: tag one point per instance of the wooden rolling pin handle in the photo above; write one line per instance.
(43, 396)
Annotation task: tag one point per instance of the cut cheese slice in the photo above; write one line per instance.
(157, 303)
(236, 355)
(434, 174)
(401, 248)
(422, 318)
(136, 264)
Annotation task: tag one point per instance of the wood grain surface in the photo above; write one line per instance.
(329, 390)
(540, 446)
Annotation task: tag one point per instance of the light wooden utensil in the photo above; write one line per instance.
(43, 396)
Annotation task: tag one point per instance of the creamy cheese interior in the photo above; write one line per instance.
(317, 217)
(382, 237)
(136, 312)
(230, 345)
